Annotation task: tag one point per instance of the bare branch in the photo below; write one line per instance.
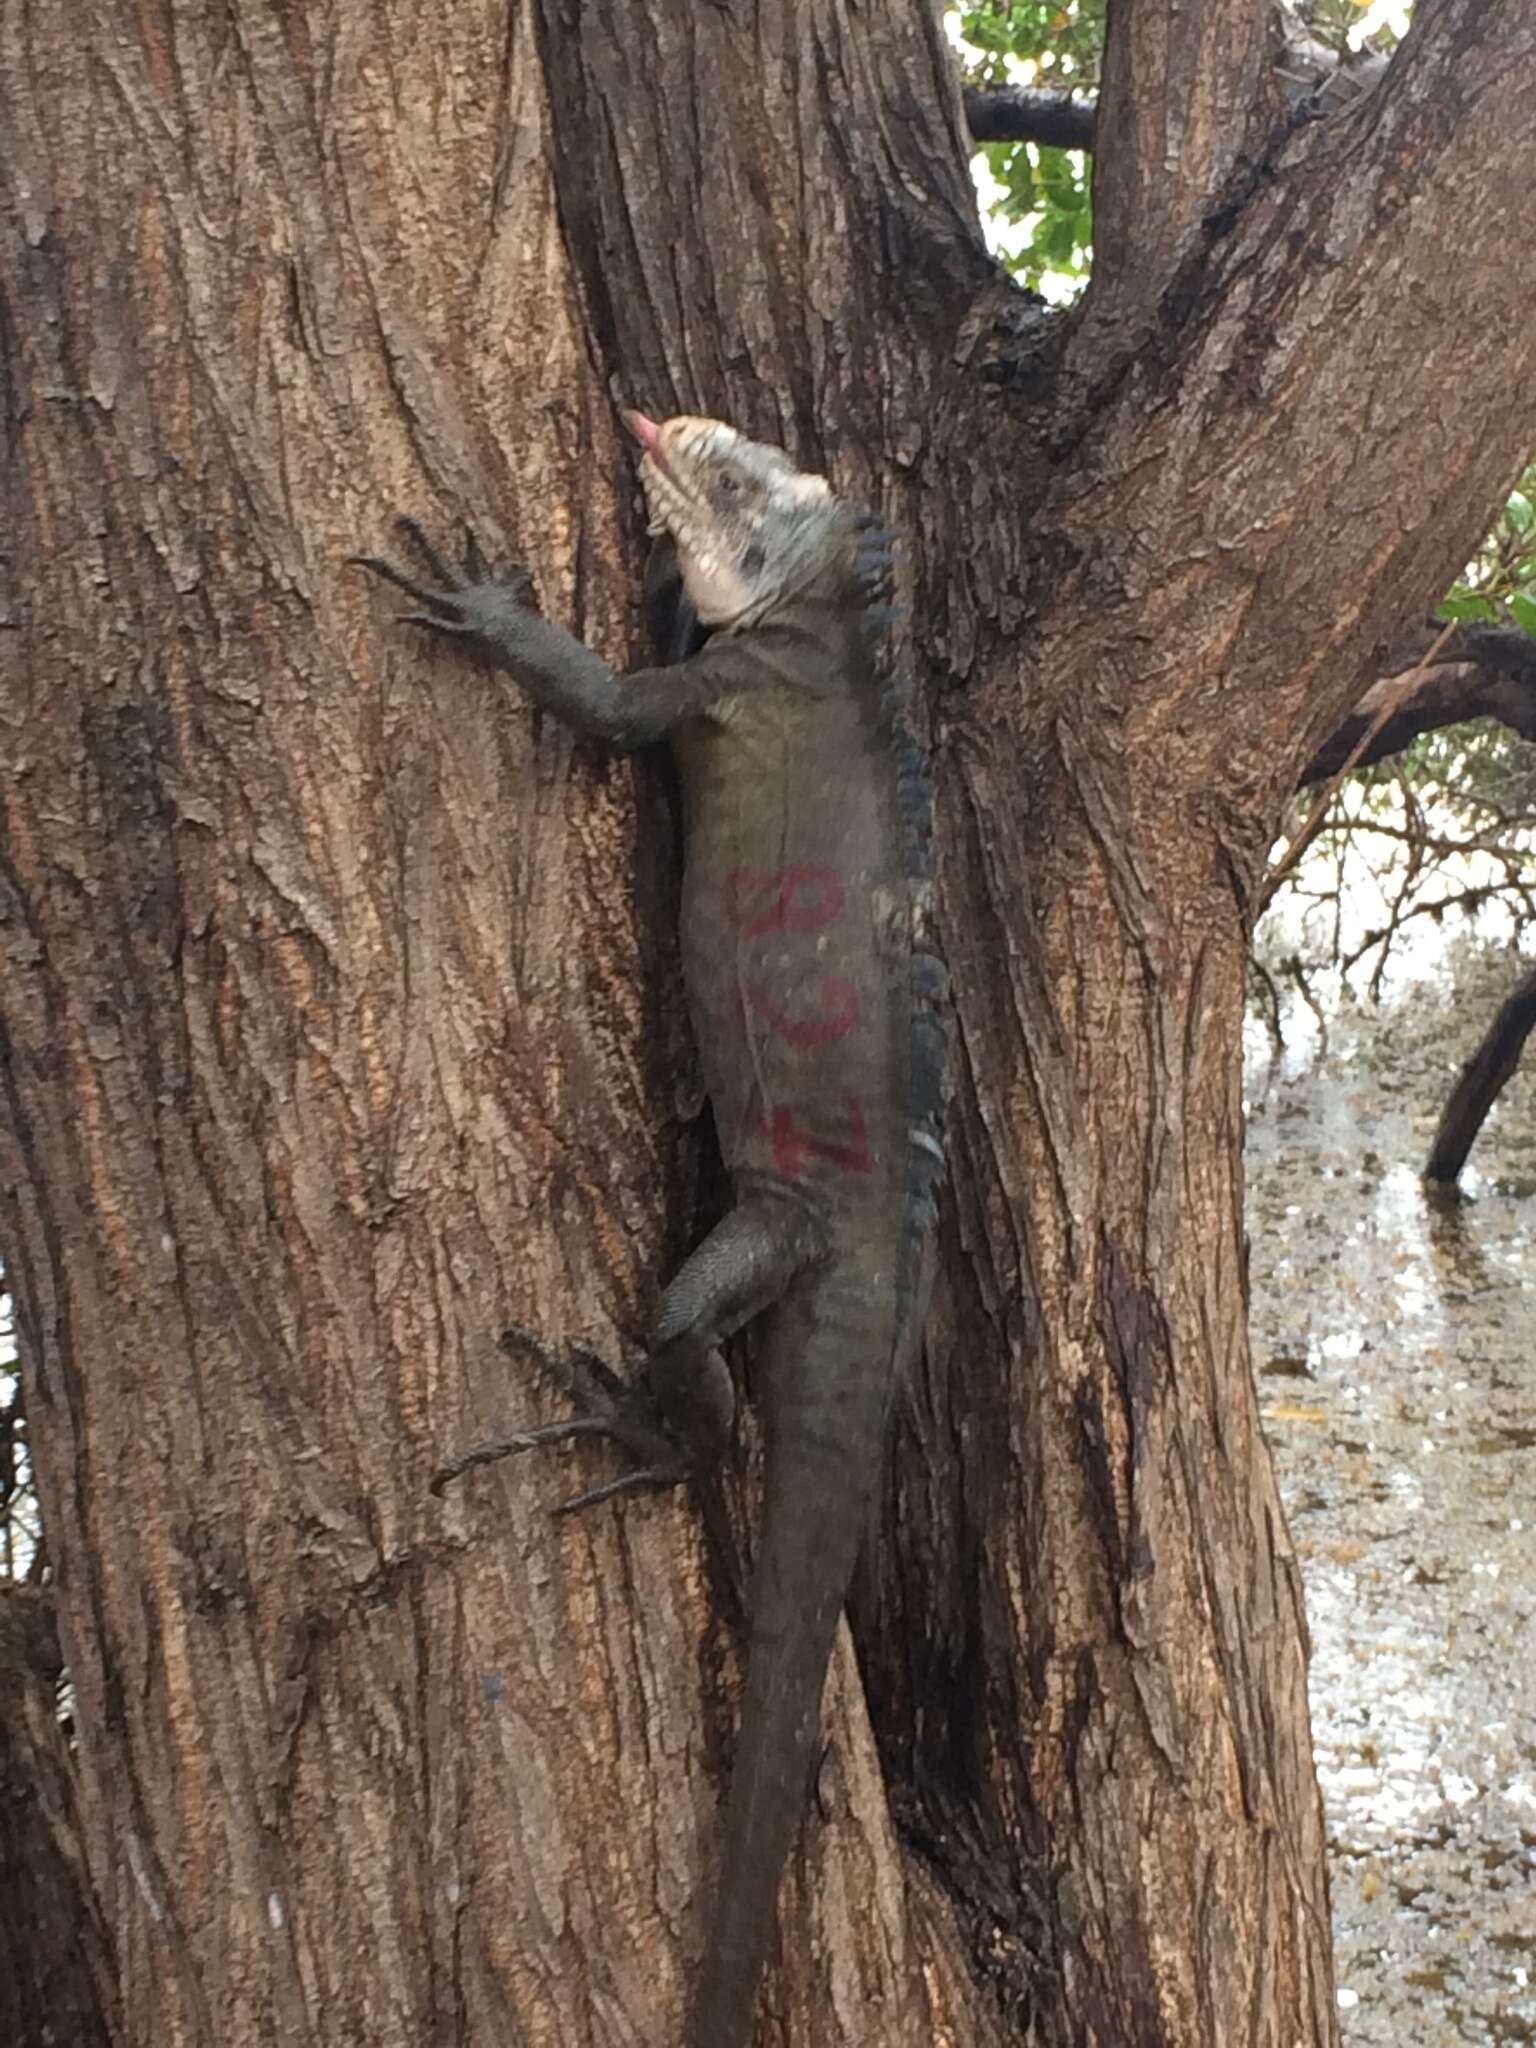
(1018, 113)
(1482, 1078)
(1435, 908)
(1448, 695)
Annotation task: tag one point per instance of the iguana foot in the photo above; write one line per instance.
(459, 602)
(611, 1408)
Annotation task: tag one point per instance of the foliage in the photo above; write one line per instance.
(1060, 41)
(1501, 578)
(1337, 23)
(1047, 195)
(1039, 200)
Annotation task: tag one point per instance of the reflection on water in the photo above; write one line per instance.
(1395, 1337)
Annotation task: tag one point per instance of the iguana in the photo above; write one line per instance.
(817, 1007)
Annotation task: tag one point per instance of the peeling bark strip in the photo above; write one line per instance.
(1135, 1340)
(339, 1023)
(1136, 1344)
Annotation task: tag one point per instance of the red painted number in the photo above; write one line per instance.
(795, 899)
(793, 1145)
(806, 897)
(839, 1014)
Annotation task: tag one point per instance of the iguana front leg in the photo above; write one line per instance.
(490, 617)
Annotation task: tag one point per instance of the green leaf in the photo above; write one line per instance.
(1524, 609)
(1060, 239)
(1462, 610)
(1520, 512)
(1011, 166)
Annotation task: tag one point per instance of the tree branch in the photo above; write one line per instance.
(1019, 113)
(1306, 72)
(1399, 689)
(1488, 672)
(1305, 536)
(1482, 1078)
(1181, 106)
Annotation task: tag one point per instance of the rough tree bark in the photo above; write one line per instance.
(339, 1010)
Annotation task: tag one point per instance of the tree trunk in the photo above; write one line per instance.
(340, 1010)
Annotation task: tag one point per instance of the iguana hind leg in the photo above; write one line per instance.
(681, 1428)
(742, 1267)
(612, 1409)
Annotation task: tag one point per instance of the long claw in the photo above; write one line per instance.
(648, 1479)
(474, 561)
(509, 1446)
(578, 1367)
(466, 1461)
(412, 532)
(613, 1409)
(431, 621)
(432, 599)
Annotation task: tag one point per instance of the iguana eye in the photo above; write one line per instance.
(729, 484)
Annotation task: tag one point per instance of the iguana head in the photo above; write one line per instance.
(750, 528)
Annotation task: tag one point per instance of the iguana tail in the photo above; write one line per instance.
(811, 1531)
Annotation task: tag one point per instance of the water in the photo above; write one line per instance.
(1395, 1339)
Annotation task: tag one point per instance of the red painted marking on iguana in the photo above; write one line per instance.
(840, 1011)
(793, 1144)
(806, 897)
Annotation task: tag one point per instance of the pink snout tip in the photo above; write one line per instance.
(645, 431)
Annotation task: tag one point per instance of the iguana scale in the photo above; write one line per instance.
(816, 1005)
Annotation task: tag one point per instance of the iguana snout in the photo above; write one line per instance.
(751, 529)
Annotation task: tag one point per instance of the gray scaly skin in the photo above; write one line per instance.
(817, 1011)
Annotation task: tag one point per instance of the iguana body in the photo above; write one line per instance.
(816, 1011)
